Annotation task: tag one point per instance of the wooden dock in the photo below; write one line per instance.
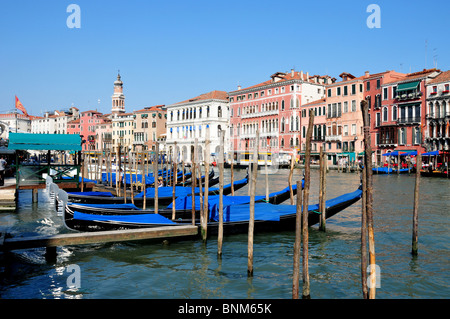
(83, 238)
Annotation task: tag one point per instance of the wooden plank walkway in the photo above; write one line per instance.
(83, 238)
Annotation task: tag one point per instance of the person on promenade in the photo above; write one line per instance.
(2, 171)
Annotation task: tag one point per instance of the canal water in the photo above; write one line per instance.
(190, 269)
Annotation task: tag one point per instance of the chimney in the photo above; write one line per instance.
(292, 72)
(366, 74)
(307, 76)
(301, 75)
(239, 87)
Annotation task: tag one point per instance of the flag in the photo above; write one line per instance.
(19, 106)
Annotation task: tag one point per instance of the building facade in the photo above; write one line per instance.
(319, 128)
(149, 125)
(273, 108)
(400, 117)
(88, 124)
(188, 120)
(437, 130)
(344, 124)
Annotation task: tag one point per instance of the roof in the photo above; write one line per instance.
(286, 77)
(443, 77)
(320, 101)
(213, 95)
(53, 142)
(414, 76)
(157, 108)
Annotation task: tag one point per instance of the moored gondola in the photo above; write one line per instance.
(268, 217)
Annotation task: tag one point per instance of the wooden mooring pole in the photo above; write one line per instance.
(221, 164)
(193, 179)
(155, 175)
(251, 223)
(205, 204)
(415, 236)
(305, 235)
(322, 190)
(291, 192)
(298, 231)
(369, 198)
(364, 235)
(174, 178)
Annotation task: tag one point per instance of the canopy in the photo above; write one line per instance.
(407, 86)
(401, 153)
(432, 153)
(53, 142)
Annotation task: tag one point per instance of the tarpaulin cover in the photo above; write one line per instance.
(130, 219)
(101, 194)
(117, 206)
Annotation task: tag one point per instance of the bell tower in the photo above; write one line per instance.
(118, 99)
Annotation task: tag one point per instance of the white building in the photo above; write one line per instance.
(54, 122)
(190, 119)
(437, 134)
(10, 123)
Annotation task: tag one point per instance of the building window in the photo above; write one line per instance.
(345, 90)
(394, 113)
(329, 92)
(338, 91)
(353, 129)
(368, 86)
(353, 89)
(385, 93)
(385, 114)
(353, 105)
(378, 84)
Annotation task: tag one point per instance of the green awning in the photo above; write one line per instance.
(52, 142)
(407, 86)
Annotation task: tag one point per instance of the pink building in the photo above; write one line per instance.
(273, 108)
(73, 127)
(344, 136)
(319, 129)
(88, 122)
(400, 118)
(383, 133)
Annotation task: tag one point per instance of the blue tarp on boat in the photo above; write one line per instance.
(386, 170)
(181, 191)
(267, 211)
(213, 200)
(102, 194)
(132, 219)
(115, 206)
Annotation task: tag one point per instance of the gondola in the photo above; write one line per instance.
(268, 217)
(183, 205)
(165, 195)
(388, 170)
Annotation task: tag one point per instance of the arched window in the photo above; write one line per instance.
(219, 111)
(385, 114)
(282, 125)
(394, 113)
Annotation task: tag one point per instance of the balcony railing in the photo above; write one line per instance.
(259, 114)
(409, 120)
(333, 138)
(408, 96)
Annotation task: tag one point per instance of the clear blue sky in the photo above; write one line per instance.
(169, 51)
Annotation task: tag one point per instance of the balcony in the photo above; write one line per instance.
(408, 96)
(318, 138)
(333, 138)
(409, 120)
(259, 114)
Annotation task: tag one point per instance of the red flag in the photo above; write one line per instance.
(19, 106)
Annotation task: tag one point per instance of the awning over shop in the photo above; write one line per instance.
(53, 142)
(407, 86)
(401, 153)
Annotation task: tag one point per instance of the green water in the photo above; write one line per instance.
(191, 269)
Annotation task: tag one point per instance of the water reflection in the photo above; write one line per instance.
(191, 269)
